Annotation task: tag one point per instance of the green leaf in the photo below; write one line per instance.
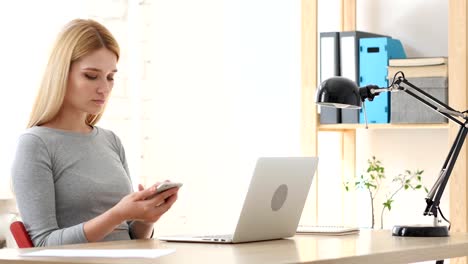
(418, 186)
(388, 204)
(406, 186)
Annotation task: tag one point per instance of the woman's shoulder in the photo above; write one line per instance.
(105, 132)
(40, 132)
(32, 138)
(108, 134)
(34, 132)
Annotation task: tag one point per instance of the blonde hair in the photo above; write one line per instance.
(77, 39)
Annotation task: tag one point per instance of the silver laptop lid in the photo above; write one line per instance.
(275, 198)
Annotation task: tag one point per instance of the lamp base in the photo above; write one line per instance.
(420, 231)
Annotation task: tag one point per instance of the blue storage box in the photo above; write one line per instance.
(374, 54)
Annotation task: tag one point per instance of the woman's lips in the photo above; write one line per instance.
(99, 102)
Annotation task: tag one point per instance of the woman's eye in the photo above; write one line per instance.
(110, 78)
(90, 76)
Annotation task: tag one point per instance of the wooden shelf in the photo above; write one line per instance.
(340, 127)
(457, 96)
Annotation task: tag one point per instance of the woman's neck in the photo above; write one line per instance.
(75, 123)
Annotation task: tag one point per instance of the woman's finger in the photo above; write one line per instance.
(168, 203)
(161, 198)
(170, 199)
(146, 193)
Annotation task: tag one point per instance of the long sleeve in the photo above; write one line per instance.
(33, 184)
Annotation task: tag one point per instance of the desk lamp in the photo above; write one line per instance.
(340, 92)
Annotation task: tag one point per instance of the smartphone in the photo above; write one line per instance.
(167, 185)
(164, 187)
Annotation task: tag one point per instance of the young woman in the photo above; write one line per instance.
(71, 177)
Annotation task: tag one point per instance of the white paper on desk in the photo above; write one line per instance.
(100, 253)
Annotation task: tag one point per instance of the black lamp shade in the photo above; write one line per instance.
(339, 92)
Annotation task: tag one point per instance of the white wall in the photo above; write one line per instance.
(422, 28)
(226, 78)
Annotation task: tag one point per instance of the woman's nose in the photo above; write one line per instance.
(104, 86)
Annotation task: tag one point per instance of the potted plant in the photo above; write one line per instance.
(374, 180)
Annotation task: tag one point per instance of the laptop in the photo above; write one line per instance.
(273, 204)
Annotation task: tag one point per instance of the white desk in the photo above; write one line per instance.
(367, 247)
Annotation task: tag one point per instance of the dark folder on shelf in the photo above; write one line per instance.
(349, 65)
(329, 67)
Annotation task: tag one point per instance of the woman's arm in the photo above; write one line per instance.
(134, 206)
(34, 189)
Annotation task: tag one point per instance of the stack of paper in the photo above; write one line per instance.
(419, 67)
(327, 230)
(100, 253)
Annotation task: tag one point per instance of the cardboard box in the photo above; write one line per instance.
(407, 109)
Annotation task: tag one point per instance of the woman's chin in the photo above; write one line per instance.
(95, 110)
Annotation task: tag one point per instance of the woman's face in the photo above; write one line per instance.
(90, 82)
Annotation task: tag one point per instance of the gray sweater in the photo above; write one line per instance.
(62, 179)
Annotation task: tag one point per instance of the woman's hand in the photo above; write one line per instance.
(145, 205)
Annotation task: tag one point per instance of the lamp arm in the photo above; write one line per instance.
(370, 91)
(435, 194)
